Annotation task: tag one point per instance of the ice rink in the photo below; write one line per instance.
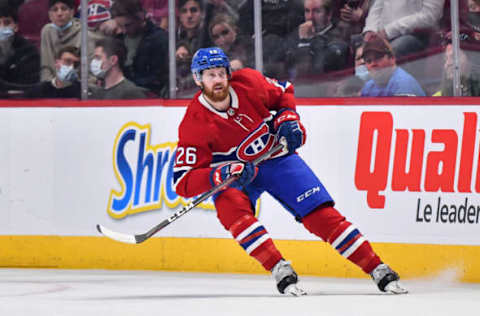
(49, 292)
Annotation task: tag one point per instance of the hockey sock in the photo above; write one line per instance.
(331, 226)
(256, 241)
(234, 210)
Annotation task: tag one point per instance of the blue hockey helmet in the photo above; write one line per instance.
(206, 58)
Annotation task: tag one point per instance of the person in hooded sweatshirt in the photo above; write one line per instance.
(64, 30)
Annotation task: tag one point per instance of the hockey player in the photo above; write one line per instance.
(226, 126)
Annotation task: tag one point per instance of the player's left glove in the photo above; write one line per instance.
(287, 125)
(245, 172)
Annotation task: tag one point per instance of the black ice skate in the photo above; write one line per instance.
(387, 280)
(286, 279)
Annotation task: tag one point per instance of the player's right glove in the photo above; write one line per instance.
(287, 125)
(245, 172)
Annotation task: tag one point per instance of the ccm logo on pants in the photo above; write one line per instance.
(307, 193)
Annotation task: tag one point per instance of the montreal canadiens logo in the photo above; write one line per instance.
(257, 143)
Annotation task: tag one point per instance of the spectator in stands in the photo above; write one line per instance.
(387, 78)
(223, 33)
(361, 70)
(191, 28)
(100, 22)
(279, 17)
(407, 25)
(106, 65)
(183, 58)
(183, 52)
(146, 63)
(470, 23)
(19, 59)
(229, 7)
(469, 20)
(15, 4)
(65, 30)
(468, 11)
(66, 83)
(220, 7)
(316, 46)
(157, 12)
(351, 15)
(32, 16)
(469, 67)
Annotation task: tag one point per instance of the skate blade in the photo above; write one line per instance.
(395, 288)
(294, 290)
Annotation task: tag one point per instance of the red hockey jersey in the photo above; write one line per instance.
(208, 137)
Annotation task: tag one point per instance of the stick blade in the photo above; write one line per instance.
(125, 238)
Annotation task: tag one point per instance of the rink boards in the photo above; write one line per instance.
(405, 171)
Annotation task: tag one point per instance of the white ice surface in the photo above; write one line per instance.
(49, 292)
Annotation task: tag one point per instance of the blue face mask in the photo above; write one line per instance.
(67, 74)
(362, 72)
(63, 28)
(6, 33)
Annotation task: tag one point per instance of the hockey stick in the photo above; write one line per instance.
(136, 239)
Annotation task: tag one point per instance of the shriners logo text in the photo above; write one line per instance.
(412, 163)
(144, 173)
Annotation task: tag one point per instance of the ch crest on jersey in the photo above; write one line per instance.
(257, 143)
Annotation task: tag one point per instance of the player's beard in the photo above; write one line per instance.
(217, 96)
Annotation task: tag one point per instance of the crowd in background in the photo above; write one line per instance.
(327, 48)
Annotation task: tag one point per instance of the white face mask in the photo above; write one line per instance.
(96, 68)
(6, 33)
(62, 28)
(362, 72)
(66, 74)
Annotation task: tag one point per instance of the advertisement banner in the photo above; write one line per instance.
(404, 174)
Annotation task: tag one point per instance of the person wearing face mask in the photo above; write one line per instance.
(19, 59)
(469, 11)
(387, 78)
(106, 65)
(66, 82)
(64, 30)
(361, 70)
